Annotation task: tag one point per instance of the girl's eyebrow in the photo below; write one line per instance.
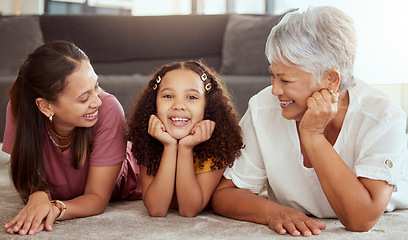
(187, 90)
(167, 89)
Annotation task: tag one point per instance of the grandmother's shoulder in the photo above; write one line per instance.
(364, 96)
(263, 97)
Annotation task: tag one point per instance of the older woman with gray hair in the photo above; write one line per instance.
(325, 144)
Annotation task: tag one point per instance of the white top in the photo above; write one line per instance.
(371, 142)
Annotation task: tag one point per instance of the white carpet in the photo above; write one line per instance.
(130, 220)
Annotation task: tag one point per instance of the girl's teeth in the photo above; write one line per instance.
(179, 119)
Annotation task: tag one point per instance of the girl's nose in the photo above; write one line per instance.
(179, 105)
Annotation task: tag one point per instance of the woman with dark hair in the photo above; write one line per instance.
(66, 137)
(185, 131)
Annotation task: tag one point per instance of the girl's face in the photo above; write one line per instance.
(78, 103)
(180, 102)
(293, 87)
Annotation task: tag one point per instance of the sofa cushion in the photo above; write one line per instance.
(19, 36)
(243, 50)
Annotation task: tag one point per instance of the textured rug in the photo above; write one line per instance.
(130, 220)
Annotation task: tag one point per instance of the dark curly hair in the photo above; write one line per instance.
(223, 146)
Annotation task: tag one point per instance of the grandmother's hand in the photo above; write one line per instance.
(322, 108)
(292, 221)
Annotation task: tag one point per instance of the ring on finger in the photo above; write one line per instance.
(318, 98)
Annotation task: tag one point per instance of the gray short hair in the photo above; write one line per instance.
(315, 40)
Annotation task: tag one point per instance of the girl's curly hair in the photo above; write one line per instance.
(226, 141)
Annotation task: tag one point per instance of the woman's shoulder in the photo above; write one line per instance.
(109, 102)
(264, 99)
(368, 99)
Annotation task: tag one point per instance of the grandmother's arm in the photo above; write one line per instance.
(357, 202)
(242, 204)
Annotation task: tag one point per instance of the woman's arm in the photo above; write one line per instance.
(357, 202)
(97, 192)
(242, 204)
(40, 213)
(157, 191)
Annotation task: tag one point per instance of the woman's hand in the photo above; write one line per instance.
(322, 108)
(201, 132)
(157, 130)
(292, 221)
(37, 214)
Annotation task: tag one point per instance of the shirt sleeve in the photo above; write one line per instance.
(383, 153)
(9, 131)
(109, 145)
(248, 171)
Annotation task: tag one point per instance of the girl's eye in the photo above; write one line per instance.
(167, 96)
(192, 97)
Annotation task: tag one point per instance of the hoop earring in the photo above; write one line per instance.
(208, 87)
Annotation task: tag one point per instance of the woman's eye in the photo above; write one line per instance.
(84, 101)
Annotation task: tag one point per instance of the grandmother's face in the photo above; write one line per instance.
(293, 87)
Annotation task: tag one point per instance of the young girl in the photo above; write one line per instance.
(184, 131)
(66, 137)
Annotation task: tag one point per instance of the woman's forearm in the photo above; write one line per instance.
(356, 206)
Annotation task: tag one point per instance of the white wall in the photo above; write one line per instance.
(381, 34)
(8, 7)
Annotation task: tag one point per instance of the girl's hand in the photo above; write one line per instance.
(37, 214)
(201, 132)
(157, 130)
(322, 108)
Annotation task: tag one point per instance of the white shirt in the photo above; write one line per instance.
(371, 142)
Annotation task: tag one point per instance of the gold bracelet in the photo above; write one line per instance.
(61, 206)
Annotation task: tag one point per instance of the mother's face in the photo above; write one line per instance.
(293, 87)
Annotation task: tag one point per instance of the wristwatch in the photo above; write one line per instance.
(61, 206)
